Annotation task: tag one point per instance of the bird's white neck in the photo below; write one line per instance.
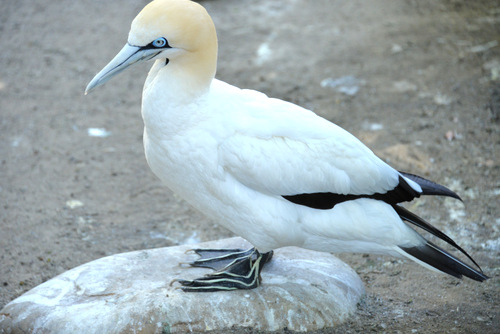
(182, 80)
(170, 96)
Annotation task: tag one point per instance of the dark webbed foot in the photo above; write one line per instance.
(218, 259)
(235, 269)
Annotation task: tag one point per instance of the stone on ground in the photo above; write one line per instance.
(131, 292)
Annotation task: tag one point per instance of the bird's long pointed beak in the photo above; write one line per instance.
(127, 56)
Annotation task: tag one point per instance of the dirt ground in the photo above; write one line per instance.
(427, 101)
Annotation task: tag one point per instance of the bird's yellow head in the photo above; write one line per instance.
(179, 33)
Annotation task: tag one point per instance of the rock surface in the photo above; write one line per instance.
(132, 292)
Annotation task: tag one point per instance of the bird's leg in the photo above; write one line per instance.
(235, 269)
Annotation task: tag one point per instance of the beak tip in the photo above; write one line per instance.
(90, 87)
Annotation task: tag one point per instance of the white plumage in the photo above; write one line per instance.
(236, 154)
(233, 153)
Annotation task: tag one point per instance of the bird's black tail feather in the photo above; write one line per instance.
(417, 221)
(444, 261)
(435, 256)
(429, 253)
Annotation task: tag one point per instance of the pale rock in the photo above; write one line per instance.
(404, 86)
(302, 290)
(442, 100)
(348, 84)
(98, 132)
(493, 67)
(73, 204)
(484, 47)
(396, 48)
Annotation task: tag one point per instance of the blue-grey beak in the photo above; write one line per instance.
(127, 56)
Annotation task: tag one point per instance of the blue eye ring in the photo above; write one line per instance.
(160, 42)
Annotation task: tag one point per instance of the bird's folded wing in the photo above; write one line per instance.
(322, 159)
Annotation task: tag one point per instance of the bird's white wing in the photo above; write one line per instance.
(283, 149)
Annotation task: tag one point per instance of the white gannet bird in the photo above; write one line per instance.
(270, 171)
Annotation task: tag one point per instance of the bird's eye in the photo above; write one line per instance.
(159, 42)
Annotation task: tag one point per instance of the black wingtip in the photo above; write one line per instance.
(431, 188)
(445, 262)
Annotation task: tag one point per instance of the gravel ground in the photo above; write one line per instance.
(421, 88)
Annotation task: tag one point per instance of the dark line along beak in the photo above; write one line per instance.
(127, 56)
